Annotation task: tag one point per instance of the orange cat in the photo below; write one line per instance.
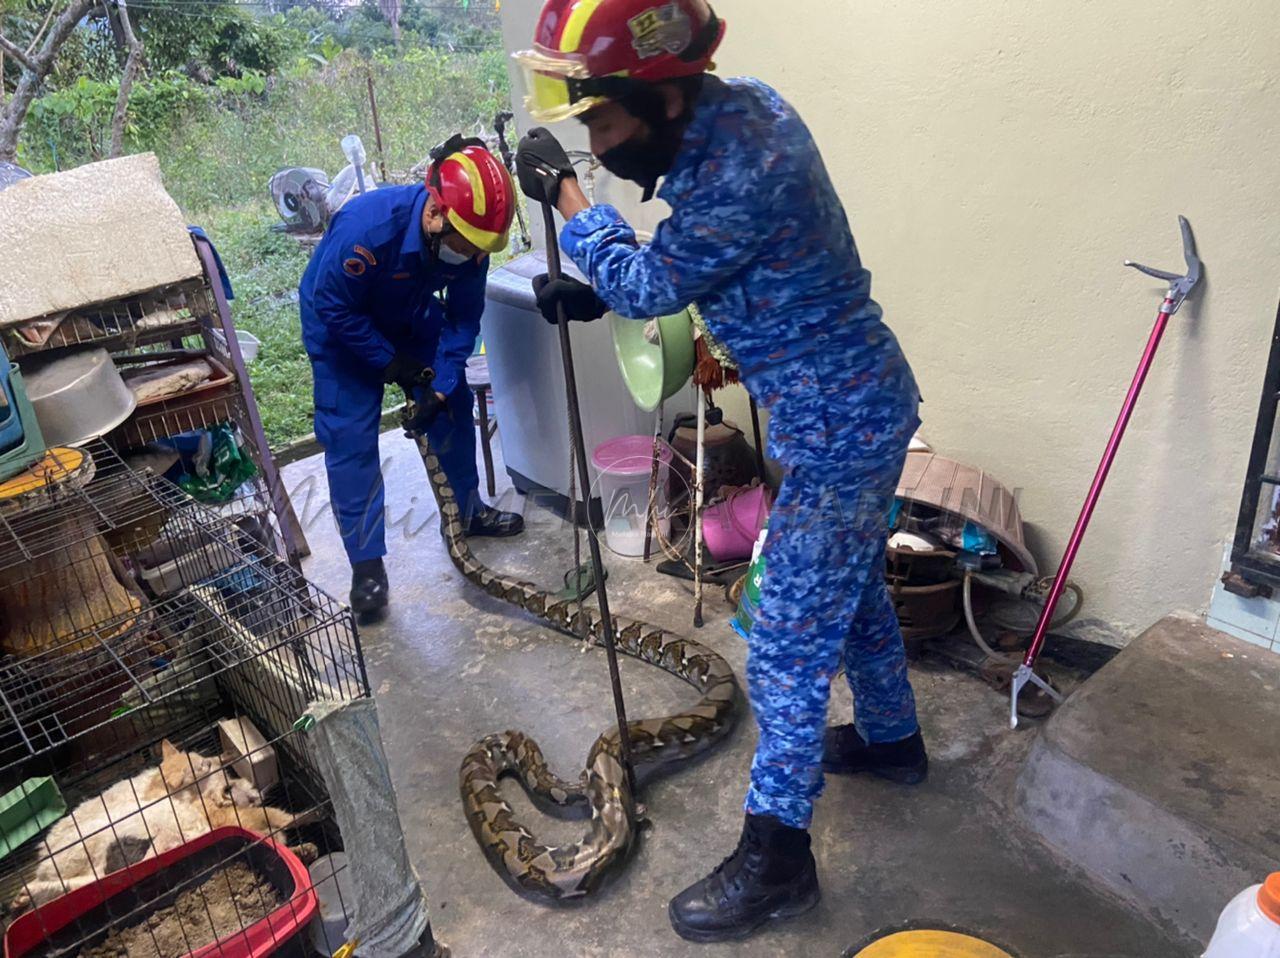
(157, 810)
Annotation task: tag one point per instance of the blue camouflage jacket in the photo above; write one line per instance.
(759, 239)
(371, 290)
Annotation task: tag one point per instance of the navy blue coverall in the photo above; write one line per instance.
(374, 289)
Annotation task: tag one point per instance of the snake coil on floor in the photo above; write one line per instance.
(563, 873)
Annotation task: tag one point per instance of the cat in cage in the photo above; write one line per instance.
(158, 809)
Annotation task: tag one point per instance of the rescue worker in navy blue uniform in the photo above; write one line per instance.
(759, 240)
(393, 295)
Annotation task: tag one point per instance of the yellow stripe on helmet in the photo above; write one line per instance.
(486, 240)
(478, 200)
(571, 35)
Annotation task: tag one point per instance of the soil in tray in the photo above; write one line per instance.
(230, 900)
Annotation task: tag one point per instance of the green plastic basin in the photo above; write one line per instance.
(654, 371)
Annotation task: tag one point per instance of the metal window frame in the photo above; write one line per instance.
(1254, 565)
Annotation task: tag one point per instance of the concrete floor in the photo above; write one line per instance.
(449, 665)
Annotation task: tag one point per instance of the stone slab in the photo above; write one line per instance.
(1160, 777)
(96, 233)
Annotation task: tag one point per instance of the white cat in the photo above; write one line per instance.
(155, 811)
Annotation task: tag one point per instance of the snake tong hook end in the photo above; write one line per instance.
(1180, 285)
(1023, 676)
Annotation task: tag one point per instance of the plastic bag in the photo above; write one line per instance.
(220, 467)
(749, 604)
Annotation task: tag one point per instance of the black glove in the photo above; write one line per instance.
(581, 304)
(407, 373)
(541, 163)
(428, 406)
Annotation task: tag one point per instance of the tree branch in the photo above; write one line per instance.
(40, 65)
(131, 67)
(43, 27)
(17, 53)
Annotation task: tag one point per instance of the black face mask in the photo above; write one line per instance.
(647, 158)
(637, 161)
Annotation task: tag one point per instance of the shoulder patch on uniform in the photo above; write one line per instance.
(401, 275)
(360, 250)
(354, 266)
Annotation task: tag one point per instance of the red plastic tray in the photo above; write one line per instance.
(87, 911)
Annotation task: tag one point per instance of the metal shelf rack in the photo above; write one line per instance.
(186, 315)
(166, 314)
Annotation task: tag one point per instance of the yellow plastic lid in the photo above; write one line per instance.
(57, 464)
(931, 944)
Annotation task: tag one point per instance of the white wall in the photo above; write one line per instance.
(999, 160)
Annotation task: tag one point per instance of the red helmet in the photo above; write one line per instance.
(588, 51)
(475, 192)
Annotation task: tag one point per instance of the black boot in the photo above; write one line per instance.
(369, 587)
(488, 521)
(771, 874)
(844, 752)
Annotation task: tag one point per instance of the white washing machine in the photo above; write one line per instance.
(527, 375)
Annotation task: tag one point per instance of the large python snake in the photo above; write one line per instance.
(560, 874)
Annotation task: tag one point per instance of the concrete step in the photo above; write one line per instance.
(1161, 775)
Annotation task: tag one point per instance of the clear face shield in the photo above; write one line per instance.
(553, 82)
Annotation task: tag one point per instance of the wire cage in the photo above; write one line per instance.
(186, 322)
(165, 314)
(158, 792)
(222, 399)
(211, 404)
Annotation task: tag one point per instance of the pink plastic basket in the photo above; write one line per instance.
(730, 528)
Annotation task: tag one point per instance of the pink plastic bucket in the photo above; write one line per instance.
(628, 455)
(730, 528)
(622, 467)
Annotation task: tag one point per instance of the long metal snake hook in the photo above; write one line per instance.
(593, 540)
(1181, 286)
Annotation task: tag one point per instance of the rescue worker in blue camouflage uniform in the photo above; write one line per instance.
(758, 238)
(393, 294)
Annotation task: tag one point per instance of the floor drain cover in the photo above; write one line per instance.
(930, 944)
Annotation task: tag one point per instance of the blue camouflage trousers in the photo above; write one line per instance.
(824, 602)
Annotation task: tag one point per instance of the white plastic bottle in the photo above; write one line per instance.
(1250, 924)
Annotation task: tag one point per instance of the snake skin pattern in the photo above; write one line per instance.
(564, 873)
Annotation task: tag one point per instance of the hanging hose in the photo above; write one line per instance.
(1003, 657)
(1076, 605)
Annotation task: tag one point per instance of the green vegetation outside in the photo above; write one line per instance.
(220, 129)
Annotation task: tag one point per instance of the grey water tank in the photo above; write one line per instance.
(528, 383)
